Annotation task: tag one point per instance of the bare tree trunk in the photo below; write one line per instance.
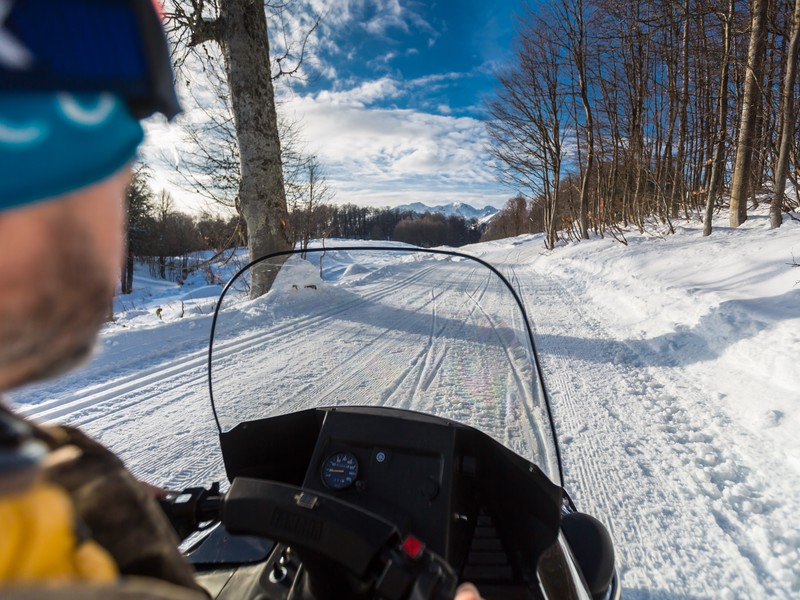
(262, 196)
(679, 180)
(127, 274)
(707, 120)
(740, 186)
(787, 114)
(669, 168)
(580, 63)
(718, 164)
(571, 20)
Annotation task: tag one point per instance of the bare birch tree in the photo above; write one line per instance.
(788, 117)
(239, 28)
(742, 177)
(718, 159)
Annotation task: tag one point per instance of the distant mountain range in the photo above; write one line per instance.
(458, 209)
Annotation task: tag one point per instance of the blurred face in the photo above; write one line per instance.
(59, 264)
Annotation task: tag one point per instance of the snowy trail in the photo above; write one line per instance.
(699, 502)
(615, 421)
(152, 405)
(689, 493)
(414, 349)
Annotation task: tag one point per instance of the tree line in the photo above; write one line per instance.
(617, 112)
(349, 221)
(164, 238)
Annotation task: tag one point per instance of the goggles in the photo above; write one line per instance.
(113, 46)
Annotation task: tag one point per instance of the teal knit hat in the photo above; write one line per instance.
(54, 143)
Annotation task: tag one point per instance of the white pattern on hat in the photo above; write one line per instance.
(89, 117)
(21, 135)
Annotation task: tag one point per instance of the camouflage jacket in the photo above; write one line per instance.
(121, 515)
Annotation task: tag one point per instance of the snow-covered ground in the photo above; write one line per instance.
(671, 364)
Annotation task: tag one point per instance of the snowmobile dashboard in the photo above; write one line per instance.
(408, 471)
(379, 477)
(429, 476)
(384, 503)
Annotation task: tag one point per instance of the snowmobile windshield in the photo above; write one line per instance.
(437, 333)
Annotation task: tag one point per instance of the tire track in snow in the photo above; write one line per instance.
(160, 396)
(420, 364)
(365, 365)
(59, 408)
(404, 381)
(477, 402)
(428, 364)
(523, 382)
(409, 376)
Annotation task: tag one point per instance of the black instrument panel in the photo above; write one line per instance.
(400, 470)
(430, 477)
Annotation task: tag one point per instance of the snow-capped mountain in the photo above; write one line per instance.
(455, 208)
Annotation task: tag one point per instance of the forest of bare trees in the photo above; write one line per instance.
(164, 238)
(348, 221)
(169, 240)
(615, 112)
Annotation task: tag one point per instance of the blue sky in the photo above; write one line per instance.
(390, 99)
(406, 41)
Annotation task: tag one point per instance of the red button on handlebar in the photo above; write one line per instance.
(413, 547)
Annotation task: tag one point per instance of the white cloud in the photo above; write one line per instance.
(389, 14)
(373, 156)
(388, 156)
(373, 153)
(376, 17)
(384, 59)
(364, 94)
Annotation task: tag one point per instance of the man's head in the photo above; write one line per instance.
(64, 169)
(59, 264)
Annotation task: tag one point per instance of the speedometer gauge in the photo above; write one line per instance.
(340, 471)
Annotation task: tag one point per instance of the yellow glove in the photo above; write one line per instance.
(39, 544)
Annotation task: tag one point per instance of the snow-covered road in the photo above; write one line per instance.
(644, 446)
(676, 405)
(421, 333)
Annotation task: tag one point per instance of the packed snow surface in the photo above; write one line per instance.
(671, 364)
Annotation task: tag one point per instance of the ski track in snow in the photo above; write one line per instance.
(647, 497)
(692, 515)
(640, 447)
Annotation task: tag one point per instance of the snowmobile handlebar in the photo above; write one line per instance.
(327, 534)
(189, 508)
